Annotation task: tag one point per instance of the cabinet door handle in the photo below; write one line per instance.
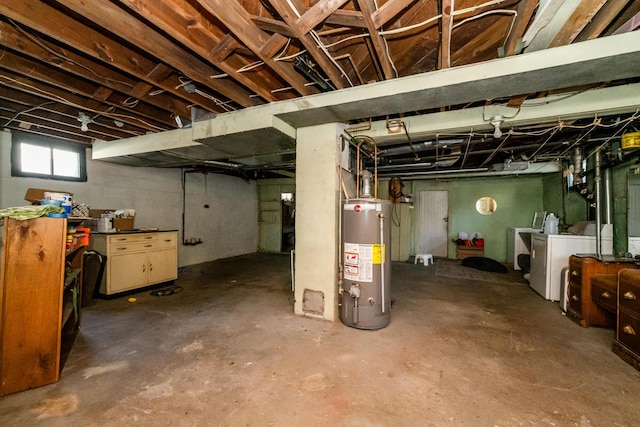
(148, 246)
(144, 268)
(629, 296)
(148, 237)
(167, 240)
(122, 248)
(150, 267)
(122, 239)
(627, 329)
(606, 295)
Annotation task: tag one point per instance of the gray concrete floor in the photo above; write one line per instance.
(227, 351)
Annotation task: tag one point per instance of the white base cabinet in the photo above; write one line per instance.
(137, 260)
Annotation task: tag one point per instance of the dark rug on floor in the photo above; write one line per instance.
(455, 269)
(484, 264)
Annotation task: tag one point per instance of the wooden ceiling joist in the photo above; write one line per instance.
(446, 27)
(34, 14)
(382, 54)
(42, 50)
(291, 16)
(114, 19)
(388, 11)
(198, 41)
(601, 21)
(318, 13)
(524, 14)
(579, 19)
(236, 19)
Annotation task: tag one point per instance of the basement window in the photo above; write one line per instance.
(37, 157)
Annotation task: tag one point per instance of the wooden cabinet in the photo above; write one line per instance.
(41, 286)
(627, 343)
(467, 251)
(137, 260)
(582, 308)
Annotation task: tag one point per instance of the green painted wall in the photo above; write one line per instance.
(517, 197)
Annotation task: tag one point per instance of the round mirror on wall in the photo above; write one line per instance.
(486, 205)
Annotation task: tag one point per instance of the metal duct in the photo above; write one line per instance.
(608, 196)
(598, 187)
(577, 165)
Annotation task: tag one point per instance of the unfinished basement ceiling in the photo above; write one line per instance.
(132, 67)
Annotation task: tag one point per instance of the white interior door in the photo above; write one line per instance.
(433, 218)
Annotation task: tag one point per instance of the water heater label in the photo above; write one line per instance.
(358, 262)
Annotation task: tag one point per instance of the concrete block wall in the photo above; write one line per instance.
(227, 228)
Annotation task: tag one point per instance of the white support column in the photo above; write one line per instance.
(317, 210)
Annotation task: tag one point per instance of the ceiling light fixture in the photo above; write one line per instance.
(496, 121)
(84, 120)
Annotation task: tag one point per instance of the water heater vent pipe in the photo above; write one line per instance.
(372, 143)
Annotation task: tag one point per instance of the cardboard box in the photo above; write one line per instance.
(120, 224)
(123, 224)
(35, 195)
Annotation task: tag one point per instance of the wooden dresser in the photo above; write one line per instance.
(627, 343)
(582, 308)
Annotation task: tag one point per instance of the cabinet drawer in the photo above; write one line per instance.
(131, 247)
(629, 330)
(604, 295)
(167, 240)
(575, 298)
(629, 289)
(128, 238)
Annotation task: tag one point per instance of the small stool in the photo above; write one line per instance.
(425, 259)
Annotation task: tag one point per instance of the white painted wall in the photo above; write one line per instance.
(229, 227)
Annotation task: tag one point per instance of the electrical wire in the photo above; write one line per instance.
(82, 107)
(52, 51)
(26, 111)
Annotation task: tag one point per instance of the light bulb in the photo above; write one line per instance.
(496, 121)
(84, 127)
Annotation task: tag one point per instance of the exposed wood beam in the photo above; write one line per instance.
(163, 14)
(525, 11)
(53, 93)
(20, 102)
(368, 7)
(290, 17)
(69, 125)
(388, 11)
(446, 24)
(41, 73)
(273, 45)
(318, 13)
(37, 15)
(40, 49)
(578, 20)
(114, 19)
(602, 20)
(238, 20)
(272, 25)
(224, 48)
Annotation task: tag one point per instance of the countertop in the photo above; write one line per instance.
(135, 231)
